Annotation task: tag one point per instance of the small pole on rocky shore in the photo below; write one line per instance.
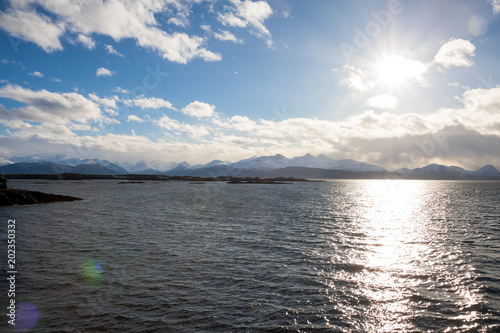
(3, 182)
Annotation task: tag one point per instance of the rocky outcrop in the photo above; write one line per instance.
(10, 197)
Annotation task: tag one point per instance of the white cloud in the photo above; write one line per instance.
(55, 79)
(482, 102)
(194, 131)
(205, 27)
(86, 41)
(242, 123)
(134, 118)
(178, 21)
(81, 127)
(151, 103)
(108, 121)
(48, 106)
(101, 71)
(225, 35)
(107, 102)
(111, 112)
(51, 133)
(383, 101)
(121, 90)
(33, 27)
(111, 50)
(496, 5)
(116, 19)
(198, 109)
(180, 11)
(249, 14)
(37, 74)
(356, 79)
(455, 53)
(15, 123)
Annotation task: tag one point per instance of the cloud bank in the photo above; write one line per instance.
(468, 135)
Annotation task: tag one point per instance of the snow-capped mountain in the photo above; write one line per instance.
(45, 167)
(112, 166)
(487, 171)
(64, 160)
(58, 159)
(180, 169)
(352, 165)
(141, 167)
(437, 170)
(153, 167)
(29, 159)
(308, 161)
(3, 162)
(33, 164)
(210, 164)
(262, 163)
(261, 166)
(443, 171)
(42, 167)
(163, 166)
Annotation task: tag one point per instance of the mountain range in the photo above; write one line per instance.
(307, 166)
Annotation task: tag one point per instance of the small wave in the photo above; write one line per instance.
(351, 268)
(423, 299)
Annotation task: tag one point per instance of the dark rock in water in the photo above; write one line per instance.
(10, 197)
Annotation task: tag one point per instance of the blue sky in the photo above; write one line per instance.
(394, 83)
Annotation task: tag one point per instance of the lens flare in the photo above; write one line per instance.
(28, 316)
(477, 25)
(92, 271)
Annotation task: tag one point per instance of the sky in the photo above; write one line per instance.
(393, 83)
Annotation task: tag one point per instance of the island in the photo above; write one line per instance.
(257, 180)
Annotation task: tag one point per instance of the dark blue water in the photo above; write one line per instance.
(339, 256)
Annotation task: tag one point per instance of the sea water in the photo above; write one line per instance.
(334, 256)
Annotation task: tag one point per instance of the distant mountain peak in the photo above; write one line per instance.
(488, 171)
(444, 171)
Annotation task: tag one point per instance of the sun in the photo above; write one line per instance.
(391, 70)
(395, 70)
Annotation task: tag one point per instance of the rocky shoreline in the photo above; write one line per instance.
(10, 197)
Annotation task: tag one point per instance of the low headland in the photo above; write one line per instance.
(12, 196)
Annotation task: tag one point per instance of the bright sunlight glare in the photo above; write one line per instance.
(395, 70)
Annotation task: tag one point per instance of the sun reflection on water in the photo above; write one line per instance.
(392, 222)
(407, 261)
